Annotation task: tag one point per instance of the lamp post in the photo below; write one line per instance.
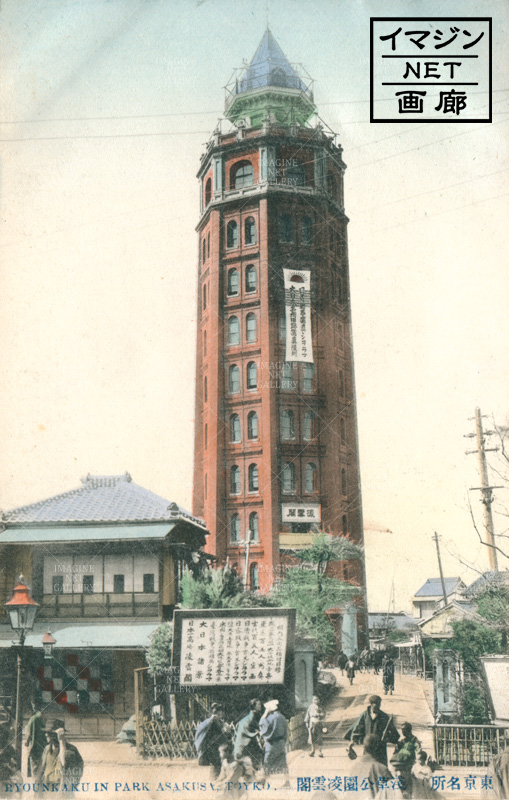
(48, 643)
(22, 610)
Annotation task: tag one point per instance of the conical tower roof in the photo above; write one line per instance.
(269, 88)
(270, 67)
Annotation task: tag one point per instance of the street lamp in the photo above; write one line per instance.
(48, 642)
(22, 610)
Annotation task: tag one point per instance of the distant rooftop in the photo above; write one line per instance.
(101, 499)
(487, 580)
(433, 587)
(399, 620)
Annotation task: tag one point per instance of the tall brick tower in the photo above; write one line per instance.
(276, 453)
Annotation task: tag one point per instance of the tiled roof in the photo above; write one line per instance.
(488, 579)
(101, 499)
(433, 587)
(400, 621)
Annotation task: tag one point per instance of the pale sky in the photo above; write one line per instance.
(106, 106)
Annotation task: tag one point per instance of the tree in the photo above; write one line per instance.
(311, 592)
(159, 652)
(217, 588)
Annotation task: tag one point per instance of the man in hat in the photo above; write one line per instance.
(210, 734)
(376, 722)
(61, 762)
(246, 739)
(274, 729)
(35, 739)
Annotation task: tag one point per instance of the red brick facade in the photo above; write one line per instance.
(253, 414)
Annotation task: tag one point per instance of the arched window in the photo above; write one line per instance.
(252, 375)
(346, 572)
(344, 524)
(233, 331)
(285, 226)
(253, 478)
(252, 425)
(287, 376)
(295, 175)
(250, 231)
(204, 250)
(205, 436)
(204, 295)
(208, 245)
(205, 390)
(204, 343)
(234, 428)
(234, 480)
(288, 478)
(251, 278)
(341, 383)
(242, 174)
(310, 478)
(309, 426)
(287, 424)
(234, 379)
(307, 230)
(232, 234)
(208, 191)
(343, 481)
(253, 577)
(253, 526)
(251, 328)
(342, 430)
(233, 281)
(308, 373)
(332, 186)
(234, 528)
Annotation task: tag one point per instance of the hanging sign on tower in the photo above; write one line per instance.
(298, 315)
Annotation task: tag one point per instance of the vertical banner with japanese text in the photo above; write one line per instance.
(298, 315)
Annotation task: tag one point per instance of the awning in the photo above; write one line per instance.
(86, 533)
(76, 636)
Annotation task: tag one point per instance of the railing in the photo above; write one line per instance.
(468, 745)
(100, 604)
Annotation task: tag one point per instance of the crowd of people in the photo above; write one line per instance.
(251, 751)
(51, 758)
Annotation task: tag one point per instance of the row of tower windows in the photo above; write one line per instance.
(251, 280)
(236, 531)
(234, 330)
(236, 428)
(232, 233)
(242, 176)
(287, 379)
(288, 479)
(286, 229)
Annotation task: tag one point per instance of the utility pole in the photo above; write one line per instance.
(435, 537)
(485, 488)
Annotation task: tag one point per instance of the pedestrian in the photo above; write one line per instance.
(247, 735)
(388, 674)
(341, 661)
(498, 771)
(234, 776)
(313, 720)
(369, 770)
(210, 734)
(422, 772)
(405, 756)
(377, 722)
(61, 763)
(274, 729)
(350, 670)
(35, 739)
